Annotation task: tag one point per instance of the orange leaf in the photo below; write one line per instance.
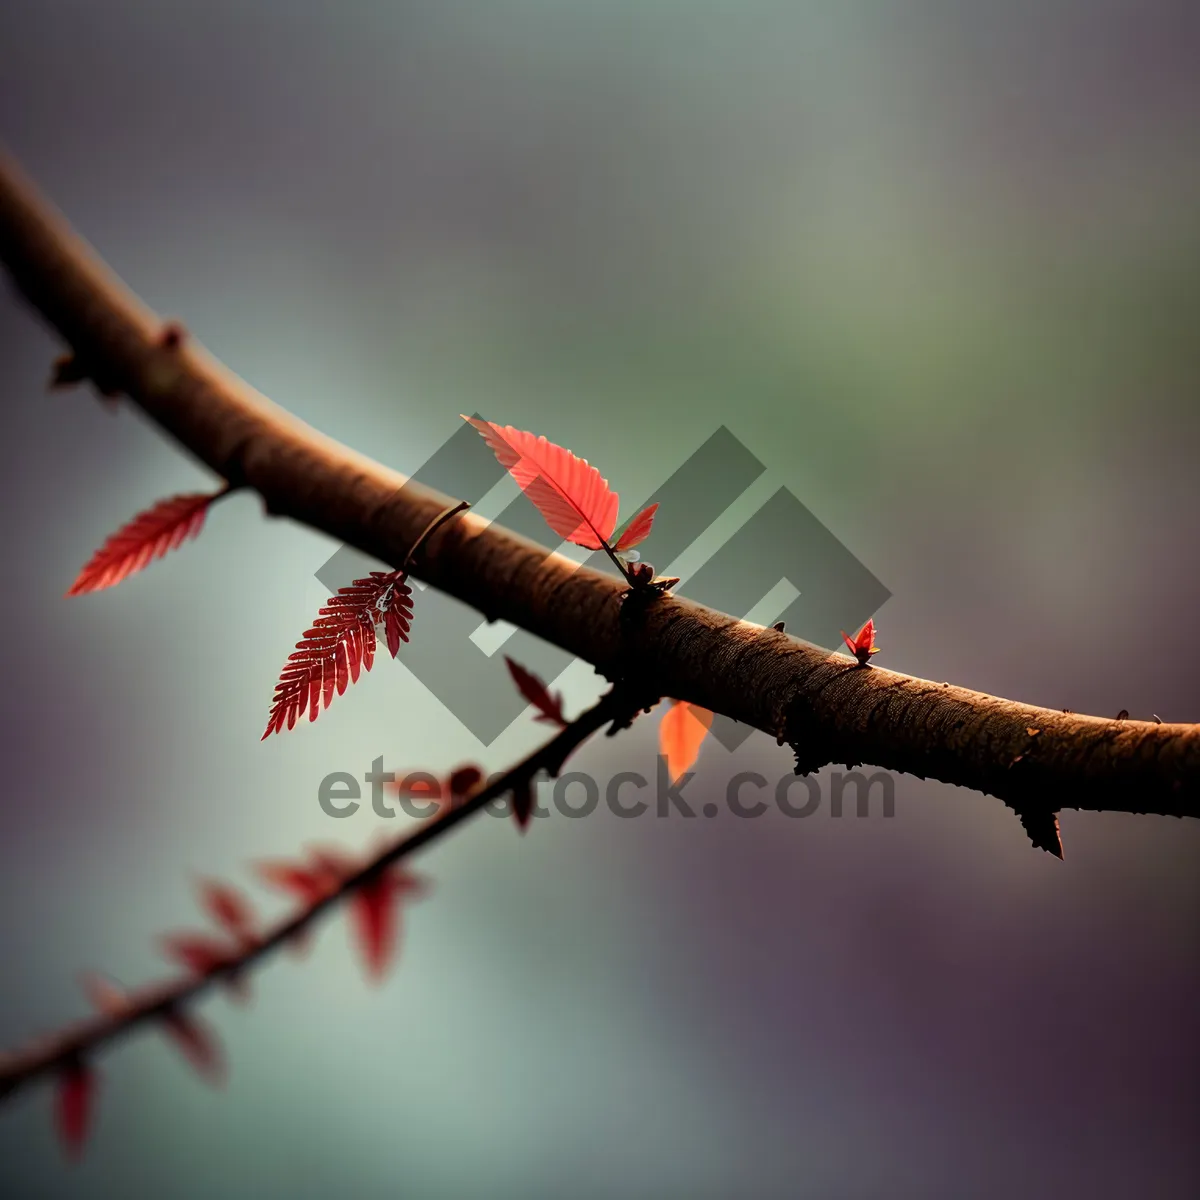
(165, 526)
(638, 531)
(680, 733)
(568, 491)
(76, 1093)
(198, 1043)
(535, 691)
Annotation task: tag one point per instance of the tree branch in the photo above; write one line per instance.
(824, 705)
(79, 1042)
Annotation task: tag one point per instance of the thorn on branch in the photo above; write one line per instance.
(71, 369)
(1042, 827)
(172, 335)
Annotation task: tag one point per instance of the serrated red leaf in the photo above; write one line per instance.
(549, 705)
(198, 1043)
(151, 534)
(638, 530)
(568, 491)
(680, 734)
(73, 1107)
(399, 617)
(339, 646)
(228, 907)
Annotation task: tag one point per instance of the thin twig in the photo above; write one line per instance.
(80, 1042)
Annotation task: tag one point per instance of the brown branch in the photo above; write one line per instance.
(829, 709)
(79, 1042)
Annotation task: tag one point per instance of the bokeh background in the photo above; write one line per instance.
(938, 265)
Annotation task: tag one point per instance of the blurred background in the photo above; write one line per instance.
(938, 266)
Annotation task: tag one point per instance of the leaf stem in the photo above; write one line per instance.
(429, 530)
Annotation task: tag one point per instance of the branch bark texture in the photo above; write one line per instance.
(829, 709)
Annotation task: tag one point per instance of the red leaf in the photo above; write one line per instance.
(423, 787)
(198, 1043)
(569, 492)
(863, 645)
(638, 531)
(198, 952)
(304, 882)
(462, 780)
(680, 734)
(522, 804)
(165, 526)
(373, 911)
(399, 616)
(104, 994)
(76, 1093)
(229, 908)
(535, 691)
(340, 644)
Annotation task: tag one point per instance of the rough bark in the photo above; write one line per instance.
(829, 709)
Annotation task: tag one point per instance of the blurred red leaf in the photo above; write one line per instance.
(638, 530)
(463, 780)
(74, 1104)
(229, 908)
(199, 952)
(522, 803)
(422, 785)
(535, 691)
(306, 883)
(680, 735)
(198, 1043)
(569, 492)
(104, 994)
(373, 912)
(163, 527)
